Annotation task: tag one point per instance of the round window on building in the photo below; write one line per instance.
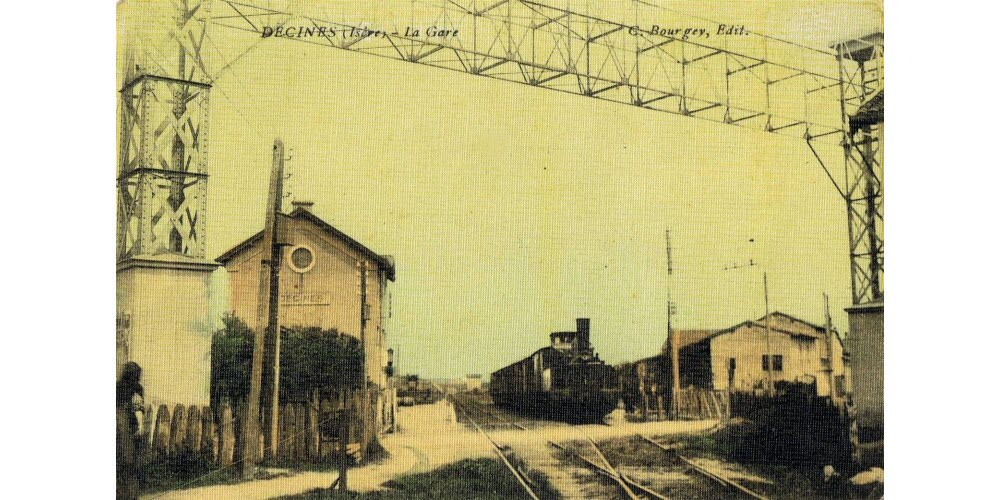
(301, 259)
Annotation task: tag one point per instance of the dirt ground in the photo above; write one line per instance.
(430, 436)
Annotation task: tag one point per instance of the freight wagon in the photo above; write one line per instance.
(565, 381)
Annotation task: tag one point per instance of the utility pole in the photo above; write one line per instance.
(675, 344)
(251, 415)
(366, 421)
(767, 360)
(767, 339)
(272, 339)
(829, 346)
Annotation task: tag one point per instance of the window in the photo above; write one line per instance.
(771, 362)
(776, 362)
(301, 259)
(732, 364)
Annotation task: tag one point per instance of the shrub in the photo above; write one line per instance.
(311, 358)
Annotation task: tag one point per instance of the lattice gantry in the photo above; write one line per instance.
(718, 73)
(862, 76)
(162, 174)
(749, 81)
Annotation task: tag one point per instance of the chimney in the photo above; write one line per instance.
(303, 204)
(583, 332)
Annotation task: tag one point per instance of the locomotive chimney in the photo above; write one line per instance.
(583, 332)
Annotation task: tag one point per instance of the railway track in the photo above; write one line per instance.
(521, 477)
(629, 487)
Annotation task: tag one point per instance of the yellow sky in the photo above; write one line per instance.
(512, 210)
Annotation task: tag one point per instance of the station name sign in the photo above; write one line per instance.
(305, 299)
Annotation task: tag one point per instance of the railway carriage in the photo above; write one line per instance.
(564, 381)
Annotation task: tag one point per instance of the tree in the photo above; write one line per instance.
(232, 350)
(311, 358)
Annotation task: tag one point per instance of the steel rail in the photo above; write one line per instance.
(617, 474)
(513, 470)
(613, 473)
(707, 473)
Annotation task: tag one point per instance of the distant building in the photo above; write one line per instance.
(473, 382)
(779, 347)
(327, 279)
(739, 359)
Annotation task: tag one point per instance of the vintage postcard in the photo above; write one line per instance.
(491, 249)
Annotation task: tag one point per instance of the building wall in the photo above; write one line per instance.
(328, 295)
(801, 358)
(865, 345)
(170, 339)
(695, 365)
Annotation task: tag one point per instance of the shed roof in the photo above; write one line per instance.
(797, 328)
(690, 336)
(384, 262)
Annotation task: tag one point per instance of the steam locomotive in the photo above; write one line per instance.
(565, 381)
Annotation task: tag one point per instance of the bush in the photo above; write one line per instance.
(232, 351)
(793, 428)
(311, 358)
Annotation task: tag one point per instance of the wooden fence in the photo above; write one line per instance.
(692, 403)
(306, 430)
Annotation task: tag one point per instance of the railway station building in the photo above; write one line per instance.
(327, 279)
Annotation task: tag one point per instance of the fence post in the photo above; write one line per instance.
(344, 440)
(207, 444)
(293, 431)
(327, 407)
(178, 427)
(227, 438)
(312, 427)
(645, 406)
(161, 435)
(728, 400)
(301, 450)
(286, 416)
(192, 438)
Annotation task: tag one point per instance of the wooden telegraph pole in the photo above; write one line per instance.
(675, 344)
(829, 349)
(767, 339)
(272, 339)
(268, 270)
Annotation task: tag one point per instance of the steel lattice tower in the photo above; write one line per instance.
(861, 70)
(162, 168)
